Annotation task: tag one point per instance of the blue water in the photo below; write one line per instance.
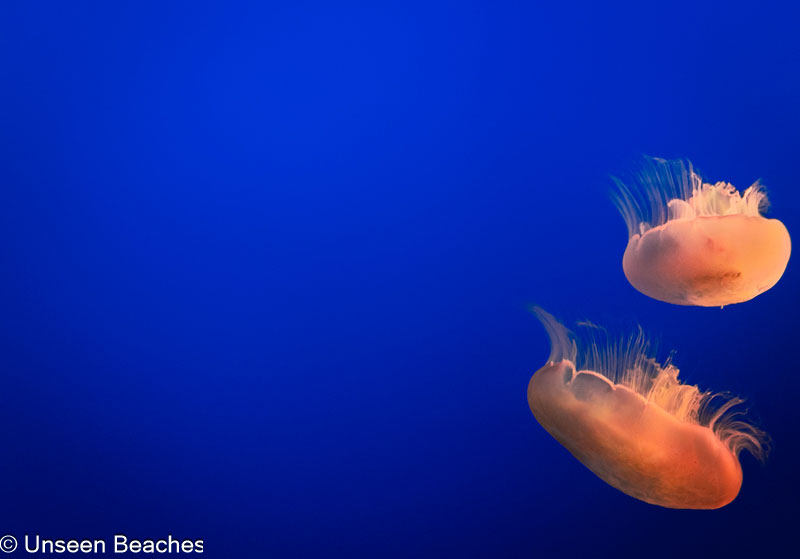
(266, 268)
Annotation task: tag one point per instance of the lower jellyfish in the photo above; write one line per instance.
(694, 243)
(629, 420)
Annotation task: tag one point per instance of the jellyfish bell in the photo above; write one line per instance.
(694, 243)
(629, 420)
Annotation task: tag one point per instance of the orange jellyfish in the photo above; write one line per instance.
(694, 243)
(629, 420)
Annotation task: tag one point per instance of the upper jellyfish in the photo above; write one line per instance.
(695, 243)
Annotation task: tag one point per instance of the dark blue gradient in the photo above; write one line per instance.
(266, 268)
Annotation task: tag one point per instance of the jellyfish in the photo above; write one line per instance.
(628, 418)
(694, 243)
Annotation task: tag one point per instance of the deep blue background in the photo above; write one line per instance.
(265, 268)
